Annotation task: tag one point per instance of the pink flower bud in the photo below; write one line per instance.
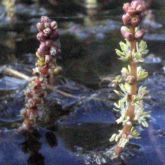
(135, 20)
(47, 25)
(47, 58)
(141, 7)
(131, 11)
(53, 25)
(40, 26)
(138, 5)
(134, 4)
(126, 34)
(41, 37)
(43, 47)
(126, 19)
(139, 34)
(44, 19)
(47, 31)
(126, 6)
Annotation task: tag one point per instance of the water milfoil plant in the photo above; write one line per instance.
(44, 71)
(130, 106)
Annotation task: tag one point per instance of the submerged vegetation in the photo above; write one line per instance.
(132, 50)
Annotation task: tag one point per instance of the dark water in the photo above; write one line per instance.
(81, 107)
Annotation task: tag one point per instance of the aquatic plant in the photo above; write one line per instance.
(44, 71)
(132, 50)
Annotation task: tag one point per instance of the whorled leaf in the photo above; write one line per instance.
(141, 117)
(141, 73)
(117, 80)
(125, 51)
(125, 88)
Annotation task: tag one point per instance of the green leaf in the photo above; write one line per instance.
(117, 92)
(138, 56)
(144, 124)
(135, 133)
(124, 53)
(119, 53)
(117, 80)
(113, 137)
(141, 73)
(142, 47)
(123, 141)
(124, 72)
(125, 88)
(123, 46)
(142, 92)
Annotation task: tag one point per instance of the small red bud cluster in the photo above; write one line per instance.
(48, 49)
(45, 67)
(132, 17)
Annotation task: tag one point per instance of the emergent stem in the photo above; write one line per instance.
(131, 108)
